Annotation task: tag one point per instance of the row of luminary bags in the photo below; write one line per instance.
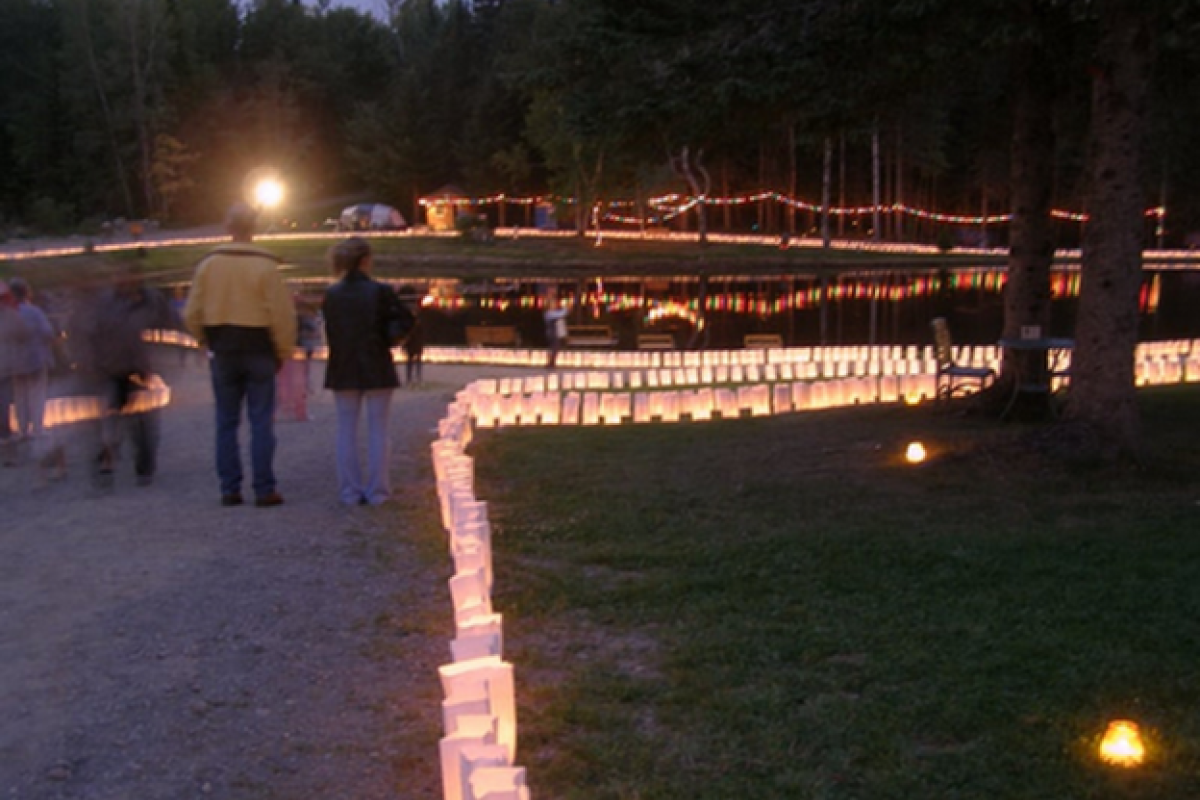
(478, 749)
(479, 743)
(699, 404)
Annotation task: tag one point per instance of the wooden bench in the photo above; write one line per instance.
(492, 336)
(764, 340)
(590, 336)
(655, 341)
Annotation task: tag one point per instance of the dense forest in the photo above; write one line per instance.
(160, 108)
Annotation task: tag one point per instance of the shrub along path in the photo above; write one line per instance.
(156, 645)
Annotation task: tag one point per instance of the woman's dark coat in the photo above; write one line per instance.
(360, 316)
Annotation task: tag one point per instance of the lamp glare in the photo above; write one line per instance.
(268, 193)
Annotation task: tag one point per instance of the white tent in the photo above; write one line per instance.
(371, 216)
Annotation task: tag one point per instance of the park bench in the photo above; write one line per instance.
(655, 341)
(764, 340)
(590, 336)
(492, 336)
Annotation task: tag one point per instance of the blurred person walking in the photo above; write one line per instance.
(240, 309)
(414, 342)
(555, 317)
(113, 356)
(12, 335)
(364, 319)
(33, 358)
(291, 384)
(308, 323)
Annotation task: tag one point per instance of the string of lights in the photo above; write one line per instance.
(670, 206)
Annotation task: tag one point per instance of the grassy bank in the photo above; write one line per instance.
(782, 608)
(428, 257)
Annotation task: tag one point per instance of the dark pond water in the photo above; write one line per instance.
(875, 308)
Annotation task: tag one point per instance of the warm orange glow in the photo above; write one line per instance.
(915, 453)
(1122, 745)
(268, 193)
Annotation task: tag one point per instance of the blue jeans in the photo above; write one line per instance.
(377, 486)
(248, 378)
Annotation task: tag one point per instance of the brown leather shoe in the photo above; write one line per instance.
(234, 499)
(268, 500)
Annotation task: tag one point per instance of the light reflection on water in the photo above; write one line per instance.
(849, 308)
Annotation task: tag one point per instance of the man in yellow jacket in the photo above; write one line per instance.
(240, 309)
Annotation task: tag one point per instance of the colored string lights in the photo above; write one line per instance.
(670, 206)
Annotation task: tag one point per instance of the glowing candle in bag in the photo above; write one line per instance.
(498, 675)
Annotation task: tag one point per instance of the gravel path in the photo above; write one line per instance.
(156, 645)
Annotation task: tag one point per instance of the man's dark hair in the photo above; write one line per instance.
(241, 220)
(20, 289)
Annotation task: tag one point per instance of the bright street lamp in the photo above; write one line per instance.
(268, 193)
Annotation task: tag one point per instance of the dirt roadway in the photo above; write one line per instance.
(156, 645)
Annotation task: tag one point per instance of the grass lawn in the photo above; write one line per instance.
(430, 257)
(781, 608)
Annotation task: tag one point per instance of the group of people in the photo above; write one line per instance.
(243, 315)
(240, 310)
(26, 357)
(101, 346)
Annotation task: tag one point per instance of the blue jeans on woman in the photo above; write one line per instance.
(377, 487)
(237, 378)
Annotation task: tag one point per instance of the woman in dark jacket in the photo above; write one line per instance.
(364, 319)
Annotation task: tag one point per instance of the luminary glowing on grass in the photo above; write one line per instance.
(478, 637)
(591, 409)
(781, 398)
(641, 407)
(549, 409)
(914, 453)
(670, 406)
(499, 783)
(727, 404)
(1122, 744)
(461, 678)
(470, 595)
(570, 409)
(474, 740)
(702, 405)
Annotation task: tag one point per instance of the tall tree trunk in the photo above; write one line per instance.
(898, 217)
(85, 24)
(791, 139)
(1103, 393)
(826, 190)
(1031, 237)
(841, 220)
(141, 75)
(700, 182)
(876, 188)
(762, 182)
(727, 209)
